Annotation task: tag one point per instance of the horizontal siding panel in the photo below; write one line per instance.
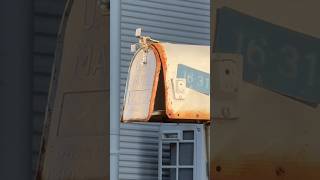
(41, 83)
(196, 4)
(150, 159)
(39, 103)
(158, 24)
(138, 133)
(164, 38)
(135, 170)
(44, 44)
(142, 145)
(37, 122)
(166, 19)
(42, 64)
(36, 139)
(138, 150)
(47, 25)
(145, 166)
(164, 7)
(150, 127)
(136, 177)
(173, 12)
(130, 29)
(50, 7)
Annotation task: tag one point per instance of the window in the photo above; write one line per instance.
(177, 155)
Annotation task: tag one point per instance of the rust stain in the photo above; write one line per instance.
(155, 82)
(162, 58)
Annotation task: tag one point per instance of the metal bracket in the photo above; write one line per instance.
(227, 76)
(179, 87)
(144, 41)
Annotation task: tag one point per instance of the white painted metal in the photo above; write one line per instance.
(199, 164)
(140, 86)
(194, 105)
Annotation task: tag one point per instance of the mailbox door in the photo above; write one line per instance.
(141, 86)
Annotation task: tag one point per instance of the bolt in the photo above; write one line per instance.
(218, 168)
(225, 112)
(279, 171)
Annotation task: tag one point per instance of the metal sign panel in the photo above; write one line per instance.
(195, 79)
(275, 58)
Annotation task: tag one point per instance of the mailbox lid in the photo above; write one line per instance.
(141, 86)
(187, 80)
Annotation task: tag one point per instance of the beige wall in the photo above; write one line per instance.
(274, 137)
(301, 16)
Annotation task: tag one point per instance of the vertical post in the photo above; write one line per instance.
(16, 19)
(114, 88)
(213, 23)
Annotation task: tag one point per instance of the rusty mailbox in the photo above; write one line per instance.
(170, 81)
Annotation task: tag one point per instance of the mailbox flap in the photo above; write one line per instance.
(141, 86)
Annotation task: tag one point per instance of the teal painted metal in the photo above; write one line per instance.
(195, 79)
(275, 57)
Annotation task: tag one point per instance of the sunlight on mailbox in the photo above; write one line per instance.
(167, 82)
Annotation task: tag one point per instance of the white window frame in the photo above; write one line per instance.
(199, 159)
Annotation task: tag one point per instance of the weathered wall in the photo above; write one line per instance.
(275, 137)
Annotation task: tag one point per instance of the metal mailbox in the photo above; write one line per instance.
(166, 80)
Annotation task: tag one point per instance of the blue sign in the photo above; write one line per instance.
(275, 58)
(195, 79)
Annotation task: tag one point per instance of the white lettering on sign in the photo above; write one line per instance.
(291, 57)
(312, 60)
(256, 54)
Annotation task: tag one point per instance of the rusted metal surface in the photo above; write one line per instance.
(274, 137)
(192, 103)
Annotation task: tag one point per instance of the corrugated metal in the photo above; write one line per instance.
(177, 21)
(47, 16)
(139, 151)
